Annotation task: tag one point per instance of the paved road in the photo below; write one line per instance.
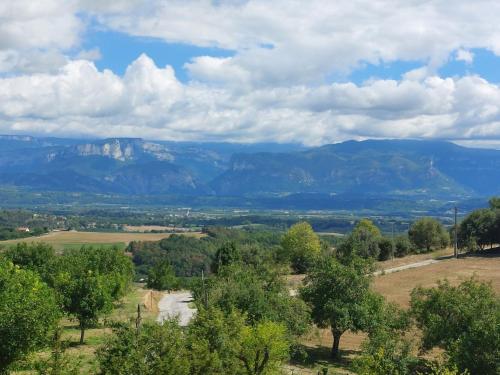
(176, 304)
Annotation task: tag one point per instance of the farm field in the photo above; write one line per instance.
(74, 239)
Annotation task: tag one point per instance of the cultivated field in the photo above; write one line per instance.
(72, 239)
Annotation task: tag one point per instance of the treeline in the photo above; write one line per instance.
(188, 256)
(481, 228)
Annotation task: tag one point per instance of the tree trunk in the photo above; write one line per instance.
(336, 343)
(82, 333)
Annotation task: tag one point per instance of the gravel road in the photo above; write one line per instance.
(176, 304)
(408, 266)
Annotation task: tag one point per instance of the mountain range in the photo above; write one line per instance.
(133, 166)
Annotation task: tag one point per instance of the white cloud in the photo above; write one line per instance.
(276, 87)
(465, 56)
(312, 39)
(93, 54)
(150, 102)
(39, 24)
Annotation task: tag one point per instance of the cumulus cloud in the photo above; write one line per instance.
(283, 41)
(151, 102)
(276, 86)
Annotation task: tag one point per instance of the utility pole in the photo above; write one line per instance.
(393, 244)
(456, 235)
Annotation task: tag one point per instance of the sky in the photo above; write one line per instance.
(310, 72)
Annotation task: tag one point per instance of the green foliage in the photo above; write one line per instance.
(363, 241)
(428, 234)
(387, 247)
(37, 257)
(154, 349)
(59, 362)
(387, 350)
(402, 246)
(28, 311)
(263, 348)
(162, 277)
(260, 294)
(463, 320)
(225, 255)
(301, 246)
(86, 297)
(479, 229)
(89, 280)
(214, 341)
(339, 296)
(189, 255)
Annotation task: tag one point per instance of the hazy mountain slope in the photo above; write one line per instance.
(136, 167)
(377, 167)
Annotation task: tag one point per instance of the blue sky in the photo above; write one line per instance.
(119, 50)
(312, 72)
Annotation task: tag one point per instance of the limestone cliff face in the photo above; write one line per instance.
(124, 149)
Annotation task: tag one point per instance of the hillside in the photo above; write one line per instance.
(134, 166)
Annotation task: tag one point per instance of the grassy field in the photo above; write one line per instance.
(73, 239)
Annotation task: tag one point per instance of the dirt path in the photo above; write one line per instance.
(176, 304)
(408, 266)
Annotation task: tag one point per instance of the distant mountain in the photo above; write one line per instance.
(116, 165)
(133, 166)
(380, 167)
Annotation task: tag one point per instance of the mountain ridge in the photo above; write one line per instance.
(137, 166)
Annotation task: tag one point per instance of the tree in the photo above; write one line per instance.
(301, 246)
(263, 348)
(402, 246)
(214, 341)
(387, 350)
(463, 320)
(260, 294)
(86, 297)
(224, 256)
(428, 233)
(386, 246)
(153, 349)
(28, 312)
(162, 276)
(479, 225)
(339, 296)
(37, 257)
(363, 241)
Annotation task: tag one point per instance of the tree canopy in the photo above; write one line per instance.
(301, 246)
(28, 312)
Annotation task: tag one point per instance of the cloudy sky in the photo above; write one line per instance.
(314, 72)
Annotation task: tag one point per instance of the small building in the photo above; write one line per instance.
(23, 229)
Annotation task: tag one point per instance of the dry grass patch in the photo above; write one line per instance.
(73, 238)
